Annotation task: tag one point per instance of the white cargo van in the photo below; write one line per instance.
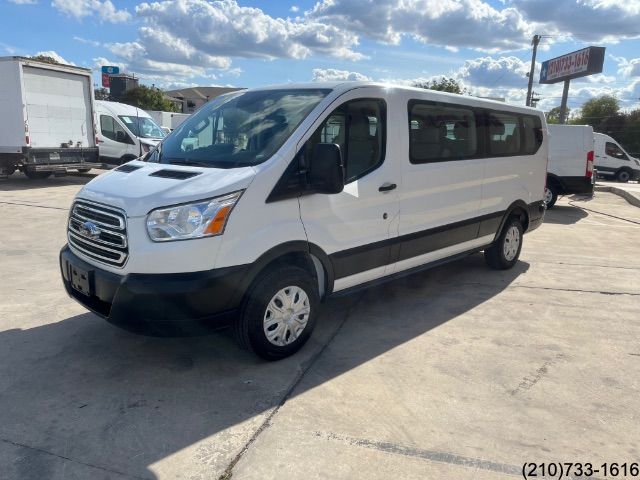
(612, 160)
(46, 118)
(126, 132)
(266, 201)
(168, 121)
(570, 168)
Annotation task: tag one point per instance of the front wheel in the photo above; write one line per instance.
(504, 253)
(278, 313)
(623, 176)
(550, 195)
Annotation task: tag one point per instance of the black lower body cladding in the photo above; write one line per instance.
(140, 301)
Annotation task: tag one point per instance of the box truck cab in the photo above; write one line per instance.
(266, 201)
(125, 132)
(613, 161)
(570, 167)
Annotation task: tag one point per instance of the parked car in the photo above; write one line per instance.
(613, 161)
(126, 132)
(47, 122)
(570, 167)
(294, 193)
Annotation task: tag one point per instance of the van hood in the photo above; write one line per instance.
(137, 192)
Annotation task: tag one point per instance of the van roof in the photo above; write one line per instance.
(117, 108)
(344, 86)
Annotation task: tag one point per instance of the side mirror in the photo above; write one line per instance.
(326, 173)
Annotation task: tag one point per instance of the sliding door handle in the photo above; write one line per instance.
(387, 187)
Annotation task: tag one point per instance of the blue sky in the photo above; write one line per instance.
(482, 43)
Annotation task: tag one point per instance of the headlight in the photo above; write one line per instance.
(194, 220)
(637, 162)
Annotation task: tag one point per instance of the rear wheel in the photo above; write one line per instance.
(623, 176)
(550, 195)
(504, 253)
(278, 313)
(34, 175)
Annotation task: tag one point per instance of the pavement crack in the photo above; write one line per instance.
(35, 206)
(228, 472)
(69, 459)
(577, 290)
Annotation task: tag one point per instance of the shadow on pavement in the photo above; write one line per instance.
(18, 181)
(83, 393)
(564, 215)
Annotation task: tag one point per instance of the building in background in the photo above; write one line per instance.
(190, 99)
(119, 84)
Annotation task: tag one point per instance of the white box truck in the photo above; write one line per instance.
(169, 121)
(47, 122)
(570, 167)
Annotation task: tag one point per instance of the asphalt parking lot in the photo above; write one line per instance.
(459, 372)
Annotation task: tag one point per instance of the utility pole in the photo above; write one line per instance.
(563, 104)
(534, 42)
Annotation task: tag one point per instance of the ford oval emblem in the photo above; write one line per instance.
(89, 230)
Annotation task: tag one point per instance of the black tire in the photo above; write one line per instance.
(552, 191)
(495, 255)
(249, 327)
(34, 175)
(623, 176)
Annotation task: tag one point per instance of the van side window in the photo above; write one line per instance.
(504, 133)
(111, 130)
(614, 151)
(358, 127)
(440, 133)
(532, 134)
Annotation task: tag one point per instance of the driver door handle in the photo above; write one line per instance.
(387, 187)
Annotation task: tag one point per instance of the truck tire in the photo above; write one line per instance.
(505, 251)
(550, 195)
(34, 175)
(623, 175)
(278, 313)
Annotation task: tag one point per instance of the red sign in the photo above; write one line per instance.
(105, 80)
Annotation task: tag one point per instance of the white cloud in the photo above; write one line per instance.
(294, 9)
(628, 68)
(24, 2)
(333, 75)
(487, 71)
(449, 23)
(589, 20)
(104, 9)
(224, 28)
(58, 58)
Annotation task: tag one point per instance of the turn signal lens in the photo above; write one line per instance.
(219, 221)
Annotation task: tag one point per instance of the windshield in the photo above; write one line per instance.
(239, 129)
(142, 127)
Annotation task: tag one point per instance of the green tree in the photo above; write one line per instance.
(101, 94)
(553, 115)
(147, 98)
(596, 110)
(443, 84)
(45, 59)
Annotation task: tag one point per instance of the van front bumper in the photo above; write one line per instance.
(150, 303)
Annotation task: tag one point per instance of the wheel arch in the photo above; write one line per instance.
(517, 209)
(553, 178)
(305, 255)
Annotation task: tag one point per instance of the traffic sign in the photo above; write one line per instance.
(111, 70)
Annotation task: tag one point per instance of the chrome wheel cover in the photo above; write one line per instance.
(548, 195)
(511, 243)
(286, 316)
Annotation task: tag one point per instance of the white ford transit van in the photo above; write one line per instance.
(570, 168)
(125, 132)
(266, 201)
(613, 161)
